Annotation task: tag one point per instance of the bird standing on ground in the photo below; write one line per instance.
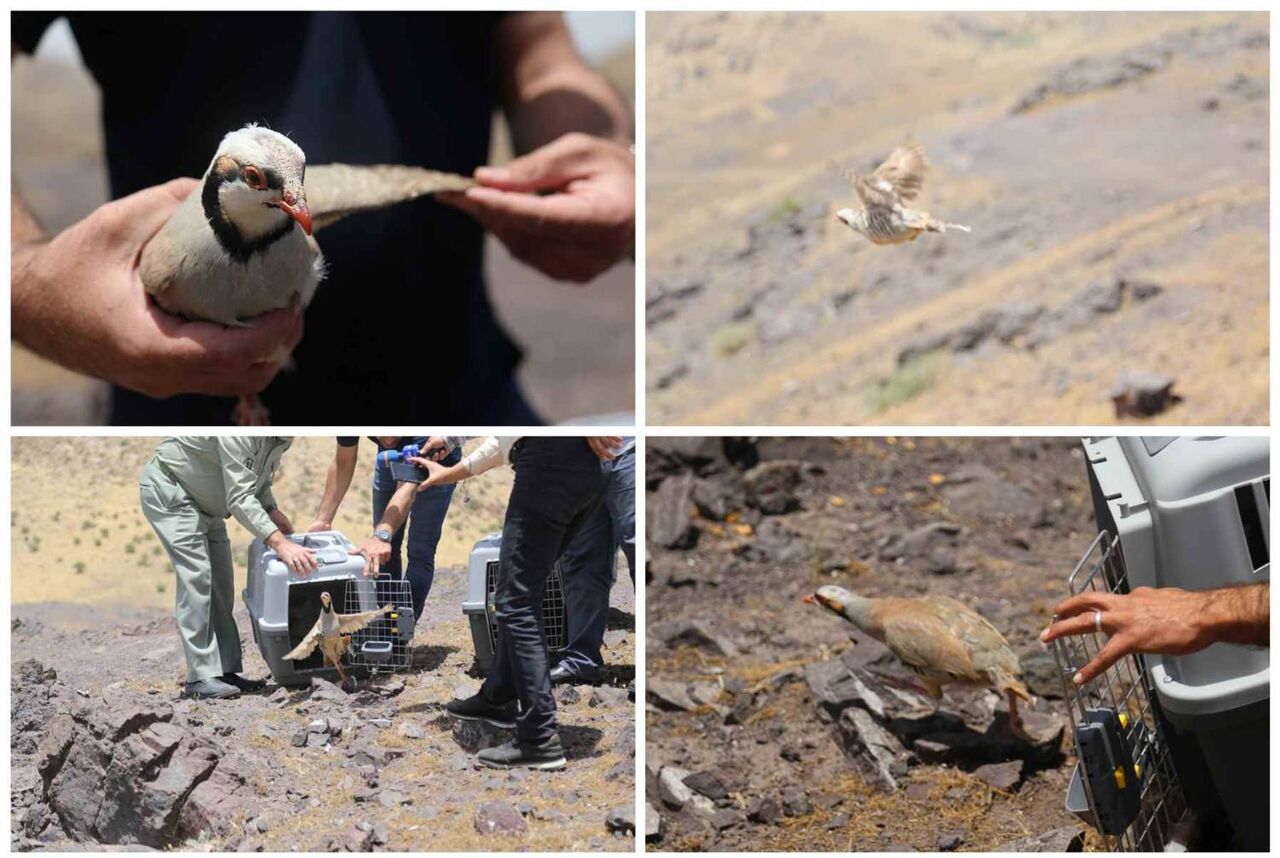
(242, 246)
(332, 632)
(940, 639)
(883, 218)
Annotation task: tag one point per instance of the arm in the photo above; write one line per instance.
(251, 510)
(566, 206)
(336, 483)
(377, 550)
(1167, 620)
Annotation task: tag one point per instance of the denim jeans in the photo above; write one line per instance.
(426, 521)
(587, 565)
(559, 486)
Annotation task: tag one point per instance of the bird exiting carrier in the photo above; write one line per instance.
(386, 643)
(1124, 784)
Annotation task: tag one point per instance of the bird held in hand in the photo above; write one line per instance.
(332, 632)
(940, 639)
(243, 246)
(883, 218)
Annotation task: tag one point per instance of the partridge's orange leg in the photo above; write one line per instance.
(1015, 722)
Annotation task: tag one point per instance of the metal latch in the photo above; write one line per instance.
(1108, 770)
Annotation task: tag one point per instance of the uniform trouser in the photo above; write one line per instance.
(587, 565)
(558, 487)
(200, 552)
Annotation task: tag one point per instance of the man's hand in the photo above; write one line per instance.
(299, 560)
(567, 208)
(605, 446)
(1167, 620)
(78, 300)
(280, 520)
(376, 552)
(319, 526)
(435, 448)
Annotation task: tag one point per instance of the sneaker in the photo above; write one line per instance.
(248, 686)
(212, 688)
(478, 708)
(563, 674)
(546, 757)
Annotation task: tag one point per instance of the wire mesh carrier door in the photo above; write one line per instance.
(385, 643)
(553, 608)
(1124, 784)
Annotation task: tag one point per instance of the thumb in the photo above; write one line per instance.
(545, 168)
(140, 215)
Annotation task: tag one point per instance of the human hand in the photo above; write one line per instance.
(1164, 620)
(78, 300)
(435, 471)
(605, 446)
(567, 208)
(319, 526)
(376, 552)
(435, 448)
(280, 520)
(297, 559)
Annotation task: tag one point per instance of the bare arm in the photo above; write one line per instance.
(336, 484)
(549, 90)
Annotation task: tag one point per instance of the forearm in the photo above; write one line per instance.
(336, 483)
(398, 507)
(1240, 615)
(549, 90)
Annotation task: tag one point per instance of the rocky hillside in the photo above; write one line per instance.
(773, 725)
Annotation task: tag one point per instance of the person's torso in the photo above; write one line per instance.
(195, 462)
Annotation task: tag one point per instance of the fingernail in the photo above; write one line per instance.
(1078, 679)
(492, 174)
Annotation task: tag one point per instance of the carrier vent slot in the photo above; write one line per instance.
(1251, 521)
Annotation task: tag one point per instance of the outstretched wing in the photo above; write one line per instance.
(355, 622)
(337, 190)
(308, 645)
(902, 173)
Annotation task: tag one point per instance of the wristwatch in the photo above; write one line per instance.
(383, 533)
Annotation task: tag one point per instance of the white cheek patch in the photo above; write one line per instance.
(247, 210)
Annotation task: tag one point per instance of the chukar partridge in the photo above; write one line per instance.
(883, 218)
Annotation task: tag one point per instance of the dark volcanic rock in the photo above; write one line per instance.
(621, 820)
(499, 817)
(708, 784)
(1143, 394)
(771, 486)
(670, 511)
(37, 695)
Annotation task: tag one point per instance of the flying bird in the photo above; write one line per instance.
(883, 218)
(332, 632)
(940, 639)
(242, 245)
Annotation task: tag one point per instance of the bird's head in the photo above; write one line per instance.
(839, 601)
(850, 218)
(256, 182)
(326, 601)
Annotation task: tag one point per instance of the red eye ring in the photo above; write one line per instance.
(254, 179)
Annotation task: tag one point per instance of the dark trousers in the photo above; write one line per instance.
(587, 565)
(558, 486)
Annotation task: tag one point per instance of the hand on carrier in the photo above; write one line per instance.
(375, 553)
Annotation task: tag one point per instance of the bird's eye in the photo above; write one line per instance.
(253, 178)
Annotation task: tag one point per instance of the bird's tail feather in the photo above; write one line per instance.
(943, 226)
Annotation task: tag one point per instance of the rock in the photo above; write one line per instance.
(725, 818)
(672, 789)
(606, 696)
(949, 841)
(300, 739)
(36, 696)
(870, 747)
(764, 810)
(670, 514)
(1143, 394)
(700, 635)
(840, 820)
(621, 820)
(669, 694)
(409, 730)
(1065, 839)
(323, 689)
(393, 798)
(654, 824)
(320, 725)
(472, 736)
(771, 486)
(1040, 673)
(499, 817)
(1003, 776)
(317, 740)
(568, 695)
(795, 802)
(706, 783)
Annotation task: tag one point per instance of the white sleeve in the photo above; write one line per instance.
(488, 455)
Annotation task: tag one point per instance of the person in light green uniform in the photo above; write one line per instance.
(189, 488)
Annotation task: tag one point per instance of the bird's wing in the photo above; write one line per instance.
(902, 173)
(356, 622)
(871, 191)
(337, 190)
(308, 645)
(989, 649)
(921, 639)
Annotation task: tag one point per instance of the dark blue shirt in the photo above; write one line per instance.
(401, 330)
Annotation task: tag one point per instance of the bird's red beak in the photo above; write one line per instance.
(810, 599)
(295, 206)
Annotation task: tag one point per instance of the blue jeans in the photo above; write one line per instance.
(426, 521)
(587, 565)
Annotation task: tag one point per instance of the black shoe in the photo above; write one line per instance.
(563, 673)
(546, 757)
(478, 708)
(248, 686)
(212, 688)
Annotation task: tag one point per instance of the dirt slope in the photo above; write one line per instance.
(1085, 150)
